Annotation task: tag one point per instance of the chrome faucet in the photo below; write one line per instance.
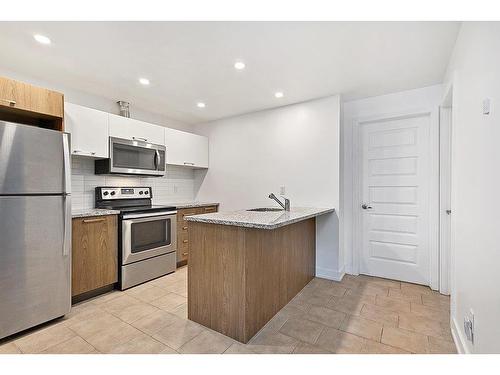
(285, 206)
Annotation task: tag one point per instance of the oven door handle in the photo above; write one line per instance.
(152, 214)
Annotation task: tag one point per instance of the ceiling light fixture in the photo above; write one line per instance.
(239, 65)
(41, 39)
(144, 81)
(278, 94)
(201, 105)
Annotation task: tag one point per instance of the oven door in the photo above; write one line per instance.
(148, 235)
(136, 157)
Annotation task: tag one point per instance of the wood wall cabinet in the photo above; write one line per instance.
(94, 253)
(89, 130)
(187, 149)
(26, 97)
(183, 230)
(129, 128)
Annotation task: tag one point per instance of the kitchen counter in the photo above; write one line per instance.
(260, 220)
(93, 212)
(244, 266)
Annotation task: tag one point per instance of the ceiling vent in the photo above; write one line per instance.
(124, 108)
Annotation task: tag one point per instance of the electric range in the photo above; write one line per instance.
(147, 235)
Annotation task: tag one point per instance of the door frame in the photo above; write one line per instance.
(433, 113)
(446, 191)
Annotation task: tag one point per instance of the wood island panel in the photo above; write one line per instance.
(239, 278)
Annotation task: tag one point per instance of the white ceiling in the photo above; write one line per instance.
(188, 62)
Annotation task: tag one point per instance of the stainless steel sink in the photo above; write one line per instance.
(266, 209)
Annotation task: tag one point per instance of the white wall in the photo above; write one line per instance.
(96, 102)
(474, 72)
(400, 102)
(295, 146)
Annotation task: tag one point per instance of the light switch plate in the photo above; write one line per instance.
(282, 190)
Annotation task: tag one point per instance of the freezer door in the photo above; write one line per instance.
(31, 160)
(35, 282)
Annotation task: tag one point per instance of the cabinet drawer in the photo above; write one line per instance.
(185, 212)
(182, 252)
(209, 209)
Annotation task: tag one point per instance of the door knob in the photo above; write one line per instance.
(364, 206)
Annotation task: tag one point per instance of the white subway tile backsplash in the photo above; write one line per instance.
(176, 186)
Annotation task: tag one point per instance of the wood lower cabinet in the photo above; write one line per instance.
(94, 254)
(183, 230)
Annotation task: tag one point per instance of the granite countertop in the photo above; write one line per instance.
(101, 212)
(93, 212)
(260, 220)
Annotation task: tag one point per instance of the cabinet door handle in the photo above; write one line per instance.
(187, 163)
(88, 221)
(11, 102)
(185, 241)
(184, 254)
(184, 228)
(140, 139)
(92, 153)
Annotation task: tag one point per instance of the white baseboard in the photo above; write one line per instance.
(330, 274)
(458, 338)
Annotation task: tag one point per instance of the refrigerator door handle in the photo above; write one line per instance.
(67, 195)
(67, 225)
(67, 163)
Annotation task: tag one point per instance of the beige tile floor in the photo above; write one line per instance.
(358, 315)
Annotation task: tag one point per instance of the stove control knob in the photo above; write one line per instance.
(105, 193)
(113, 193)
(140, 193)
(146, 192)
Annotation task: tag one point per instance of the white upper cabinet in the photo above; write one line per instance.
(89, 130)
(128, 128)
(186, 149)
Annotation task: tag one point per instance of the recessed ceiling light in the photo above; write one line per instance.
(41, 39)
(278, 94)
(144, 81)
(239, 65)
(200, 105)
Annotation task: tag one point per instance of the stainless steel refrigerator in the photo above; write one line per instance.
(35, 226)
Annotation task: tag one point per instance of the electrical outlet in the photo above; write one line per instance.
(469, 326)
(282, 190)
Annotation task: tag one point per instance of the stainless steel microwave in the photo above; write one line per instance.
(132, 157)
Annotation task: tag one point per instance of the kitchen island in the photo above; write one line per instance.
(244, 266)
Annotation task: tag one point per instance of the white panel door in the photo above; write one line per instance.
(89, 130)
(395, 181)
